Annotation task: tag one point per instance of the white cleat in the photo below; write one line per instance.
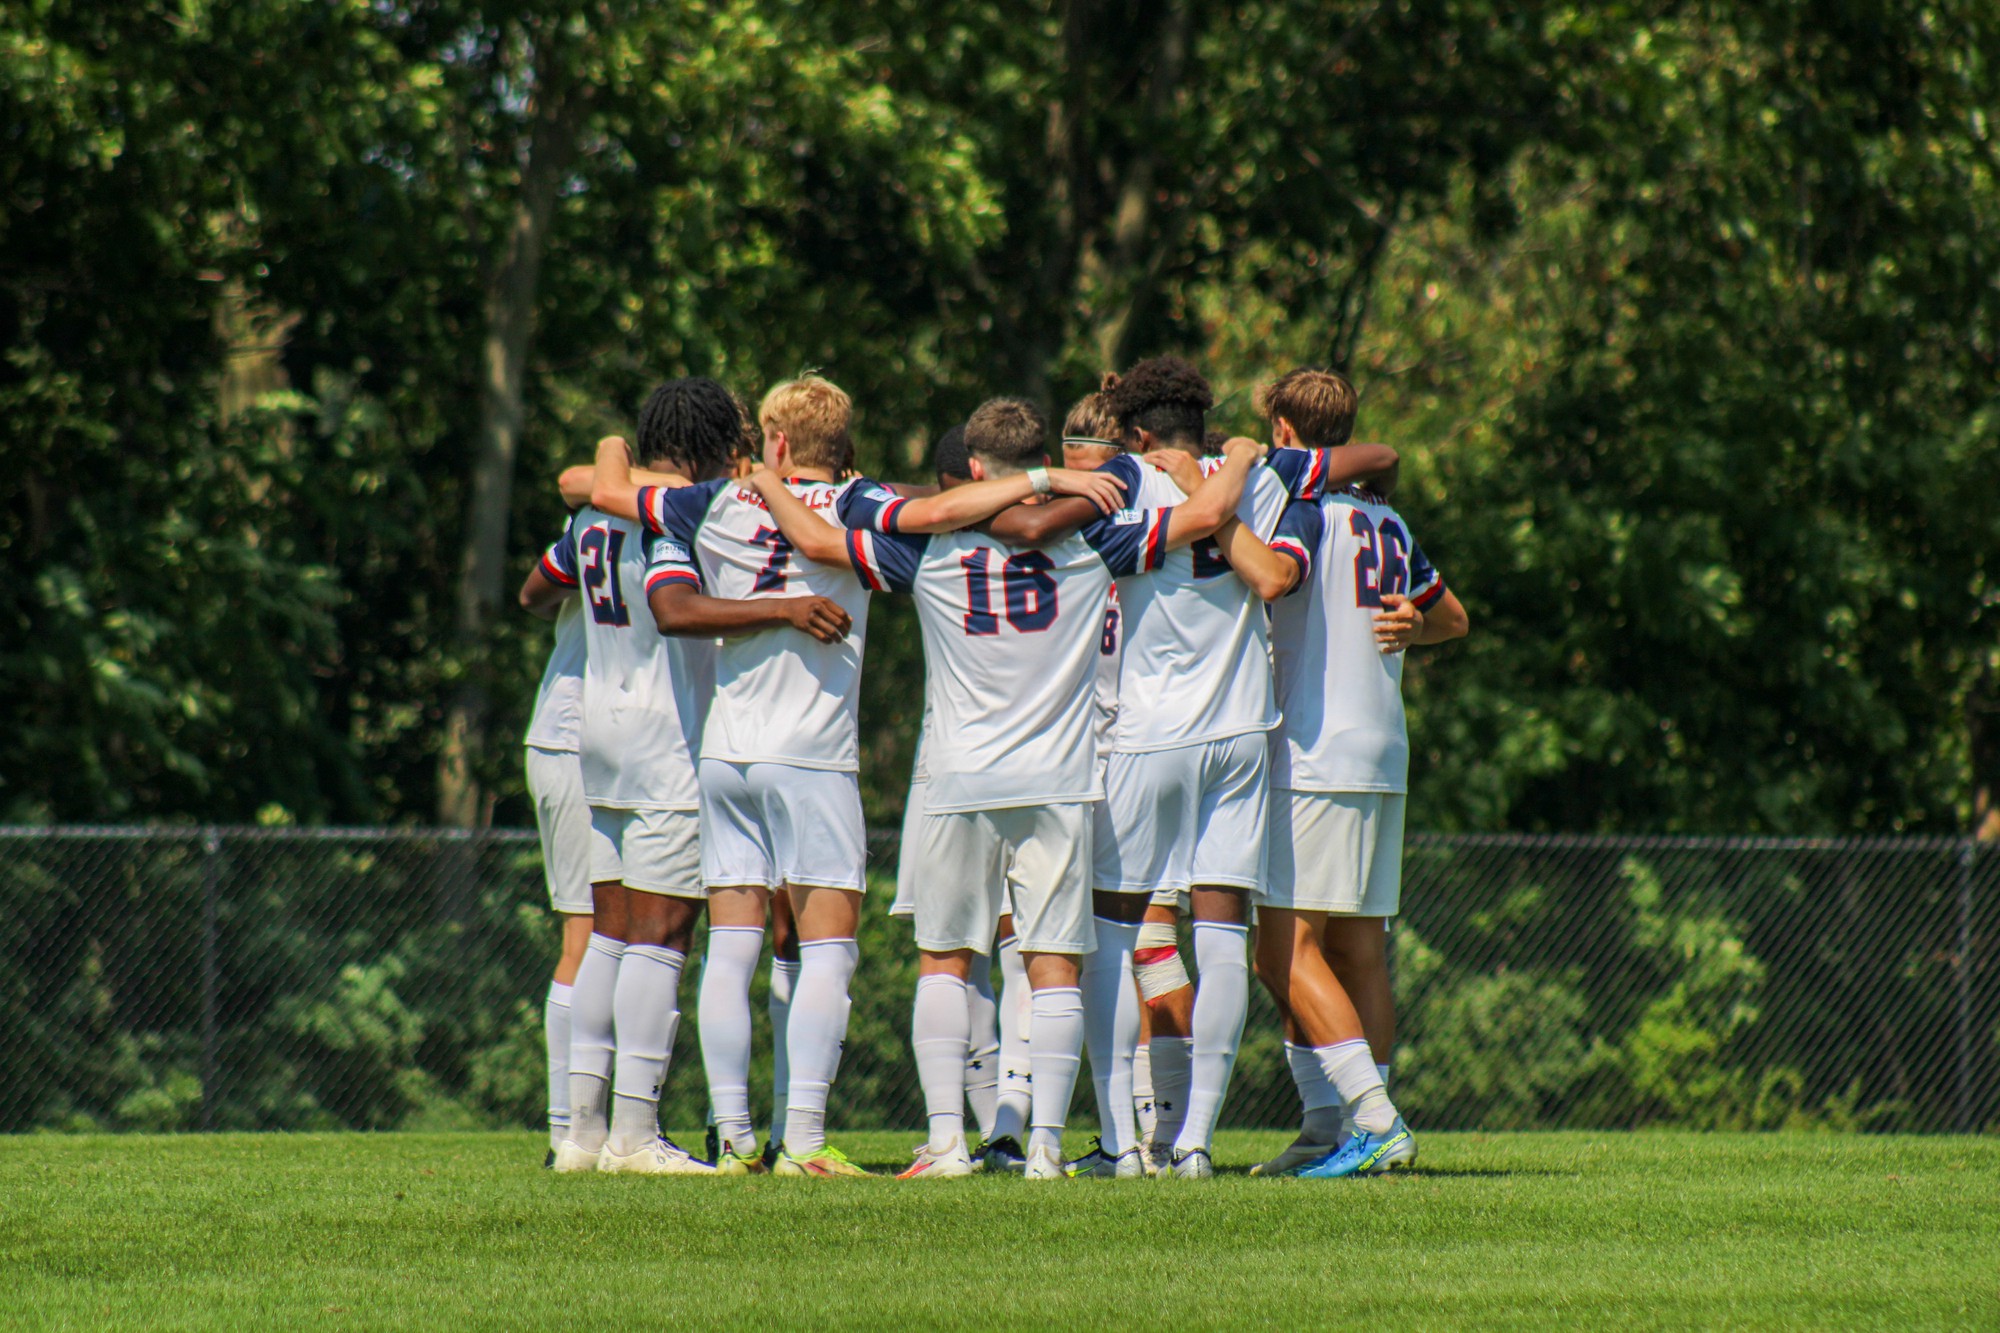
(1298, 1154)
(1044, 1164)
(570, 1157)
(948, 1164)
(661, 1157)
(1194, 1164)
(1159, 1160)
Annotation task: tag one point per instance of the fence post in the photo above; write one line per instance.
(1965, 1080)
(211, 977)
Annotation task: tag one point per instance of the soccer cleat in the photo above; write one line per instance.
(1366, 1155)
(1003, 1154)
(549, 1162)
(930, 1164)
(771, 1150)
(1194, 1164)
(569, 1157)
(1043, 1164)
(828, 1162)
(1160, 1159)
(1295, 1156)
(740, 1164)
(661, 1157)
(1101, 1165)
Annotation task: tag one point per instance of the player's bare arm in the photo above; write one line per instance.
(1399, 624)
(576, 483)
(963, 506)
(1043, 524)
(1214, 502)
(810, 535)
(1269, 574)
(541, 596)
(614, 482)
(682, 610)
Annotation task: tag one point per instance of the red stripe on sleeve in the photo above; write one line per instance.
(553, 572)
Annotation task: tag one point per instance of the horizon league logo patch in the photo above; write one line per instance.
(669, 549)
(1126, 518)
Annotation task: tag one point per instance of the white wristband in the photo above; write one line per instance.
(1038, 477)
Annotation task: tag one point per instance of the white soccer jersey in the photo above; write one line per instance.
(643, 693)
(1343, 727)
(781, 696)
(557, 720)
(1108, 657)
(1195, 663)
(1012, 638)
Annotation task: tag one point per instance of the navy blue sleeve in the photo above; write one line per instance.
(677, 511)
(868, 504)
(559, 561)
(1302, 470)
(1300, 530)
(886, 561)
(1426, 584)
(1131, 541)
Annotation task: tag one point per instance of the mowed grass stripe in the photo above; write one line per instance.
(1529, 1230)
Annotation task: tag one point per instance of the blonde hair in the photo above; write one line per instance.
(814, 414)
(1319, 405)
(1091, 421)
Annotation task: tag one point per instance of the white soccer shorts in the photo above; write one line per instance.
(653, 851)
(972, 867)
(1192, 815)
(772, 824)
(562, 816)
(906, 854)
(1336, 851)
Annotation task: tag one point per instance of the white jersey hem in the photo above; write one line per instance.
(1259, 729)
(817, 765)
(1012, 803)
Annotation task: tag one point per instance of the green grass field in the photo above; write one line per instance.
(342, 1231)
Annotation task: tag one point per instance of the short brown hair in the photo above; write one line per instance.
(814, 414)
(1008, 433)
(1318, 404)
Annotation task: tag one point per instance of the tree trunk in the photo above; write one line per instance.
(509, 313)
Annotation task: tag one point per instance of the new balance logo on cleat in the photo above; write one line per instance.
(1367, 1155)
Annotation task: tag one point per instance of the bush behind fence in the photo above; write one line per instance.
(166, 979)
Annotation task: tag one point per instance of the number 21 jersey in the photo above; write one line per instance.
(1342, 697)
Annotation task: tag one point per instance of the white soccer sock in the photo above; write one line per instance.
(1171, 1058)
(1055, 1050)
(784, 980)
(1142, 1090)
(1351, 1069)
(555, 1033)
(592, 1040)
(725, 1031)
(1221, 1002)
(1010, 1113)
(1318, 1098)
(817, 1028)
(1383, 1070)
(647, 1006)
(939, 1030)
(1111, 1031)
(982, 1054)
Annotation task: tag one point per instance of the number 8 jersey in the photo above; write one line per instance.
(1341, 697)
(643, 694)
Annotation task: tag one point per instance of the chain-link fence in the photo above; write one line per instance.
(287, 979)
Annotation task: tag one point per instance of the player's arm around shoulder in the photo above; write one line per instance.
(1214, 502)
(552, 581)
(681, 609)
(1269, 574)
(809, 534)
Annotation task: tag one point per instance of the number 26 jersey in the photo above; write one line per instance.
(1342, 697)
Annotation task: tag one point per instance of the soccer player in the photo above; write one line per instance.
(779, 794)
(1186, 788)
(1011, 638)
(1362, 592)
(644, 697)
(562, 816)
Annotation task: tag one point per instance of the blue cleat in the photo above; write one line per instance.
(1365, 1155)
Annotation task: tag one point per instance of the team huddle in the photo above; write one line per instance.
(1163, 680)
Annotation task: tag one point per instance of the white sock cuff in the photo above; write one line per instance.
(1220, 932)
(604, 944)
(941, 979)
(846, 944)
(658, 953)
(785, 967)
(1059, 1000)
(559, 993)
(1316, 1091)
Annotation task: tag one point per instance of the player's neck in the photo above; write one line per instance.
(809, 474)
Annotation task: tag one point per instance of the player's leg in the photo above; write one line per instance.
(592, 997)
(664, 898)
(940, 1035)
(1228, 864)
(562, 818)
(1049, 876)
(1168, 992)
(1330, 842)
(1010, 1113)
(1278, 947)
(982, 1051)
(1357, 945)
(738, 869)
(821, 847)
(1142, 1078)
(784, 984)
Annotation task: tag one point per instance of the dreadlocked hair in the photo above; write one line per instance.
(693, 422)
(1165, 396)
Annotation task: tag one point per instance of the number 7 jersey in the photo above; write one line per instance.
(1342, 697)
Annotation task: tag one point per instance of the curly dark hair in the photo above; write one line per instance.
(693, 422)
(949, 457)
(1166, 396)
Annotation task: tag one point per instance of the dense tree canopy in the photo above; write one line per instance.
(1686, 316)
